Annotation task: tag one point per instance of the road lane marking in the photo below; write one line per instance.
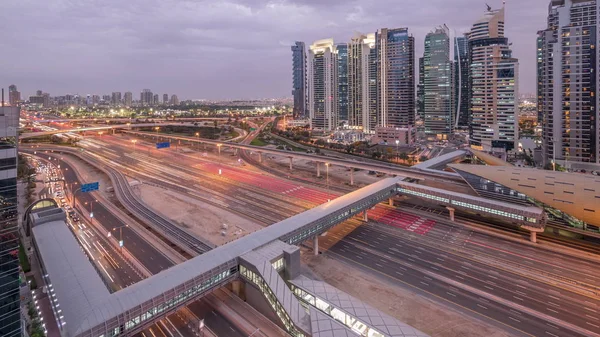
(514, 319)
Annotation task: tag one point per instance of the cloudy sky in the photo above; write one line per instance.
(214, 49)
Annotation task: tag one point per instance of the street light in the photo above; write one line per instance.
(219, 147)
(198, 136)
(397, 150)
(134, 141)
(91, 210)
(120, 228)
(157, 128)
(327, 175)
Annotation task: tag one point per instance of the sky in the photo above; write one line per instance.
(207, 49)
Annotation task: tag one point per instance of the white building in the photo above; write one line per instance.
(362, 82)
(494, 85)
(323, 85)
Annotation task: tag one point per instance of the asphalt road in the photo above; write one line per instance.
(149, 256)
(392, 254)
(215, 321)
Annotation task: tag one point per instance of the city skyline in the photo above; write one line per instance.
(203, 58)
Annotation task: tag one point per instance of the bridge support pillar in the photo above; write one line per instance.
(352, 176)
(236, 287)
(316, 245)
(366, 215)
(391, 201)
(318, 170)
(533, 236)
(451, 210)
(291, 163)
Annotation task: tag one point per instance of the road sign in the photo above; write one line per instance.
(120, 243)
(91, 214)
(163, 145)
(252, 129)
(90, 187)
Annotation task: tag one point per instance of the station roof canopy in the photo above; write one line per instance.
(575, 194)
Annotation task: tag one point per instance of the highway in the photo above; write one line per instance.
(391, 253)
(468, 258)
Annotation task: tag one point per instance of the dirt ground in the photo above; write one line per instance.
(432, 318)
(195, 216)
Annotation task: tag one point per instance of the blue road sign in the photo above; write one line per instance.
(163, 145)
(90, 187)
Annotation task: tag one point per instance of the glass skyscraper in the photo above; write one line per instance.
(323, 85)
(299, 79)
(437, 81)
(462, 95)
(10, 314)
(396, 72)
(342, 50)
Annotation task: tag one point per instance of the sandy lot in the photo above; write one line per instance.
(426, 315)
(196, 217)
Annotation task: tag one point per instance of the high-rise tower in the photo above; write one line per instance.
(362, 82)
(437, 84)
(568, 83)
(299, 79)
(323, 85)
(396, 77)
(493, 85)
(342, 53)
(462, 93)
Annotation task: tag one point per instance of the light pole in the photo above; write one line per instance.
(198, 136)
(120, 228)
(134, 141)
(327, 176)
(91, 210)
(157, 128)
(397, 150)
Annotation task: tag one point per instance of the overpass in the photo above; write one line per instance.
(130, 120)
(319, 160)
(258, 259)
(349, 163)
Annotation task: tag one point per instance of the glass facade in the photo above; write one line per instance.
(299, 78)
(461, 80)
(258, 281)
(10, 315)
(437, 81)
(342, 63)
(396, 71)
(348, 320)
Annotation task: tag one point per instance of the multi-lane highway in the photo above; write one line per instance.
(525, 289)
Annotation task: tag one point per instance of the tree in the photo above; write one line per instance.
(403, 156)
(423, 158)
(215, 123)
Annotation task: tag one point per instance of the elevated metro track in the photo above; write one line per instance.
(349, 163)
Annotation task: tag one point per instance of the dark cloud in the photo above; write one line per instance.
(214, 49)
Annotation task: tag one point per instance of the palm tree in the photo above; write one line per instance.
(403, 156)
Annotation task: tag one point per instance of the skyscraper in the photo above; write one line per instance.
(165, 99)
(14, 96)
(116, 98)
(421, 89)
(88, 100)
(10, 314)
(146, 97)
(323, 85)
(362, 82)
(299, 79)
(462, 94)
(493, 84)
(155, 100)
(128, 99)
(174, 100)
(342, 49)
(396, 72)
(569, 83)
(437, 90)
